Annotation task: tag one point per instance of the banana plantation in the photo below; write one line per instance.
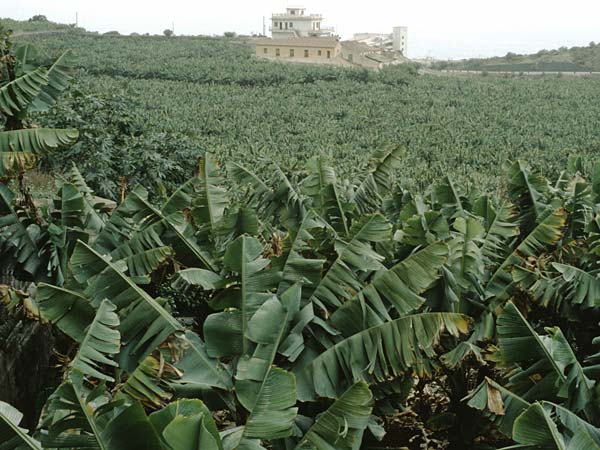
(291, 309)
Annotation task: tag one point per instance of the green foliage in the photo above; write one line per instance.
(26, 87)
(301, 310)
(316, 299)
(211, 94)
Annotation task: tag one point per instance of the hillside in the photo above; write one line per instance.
(575, 59)
(150, 106)
(37, 24)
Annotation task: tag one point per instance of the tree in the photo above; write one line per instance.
(38, 18)
(168, 32)
(25, 88)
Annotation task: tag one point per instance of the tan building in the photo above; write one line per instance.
(313, 49)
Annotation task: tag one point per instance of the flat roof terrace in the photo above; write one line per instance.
(297, 17)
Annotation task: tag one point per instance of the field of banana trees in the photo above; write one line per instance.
(149, 106)
(291, 309)
(322, 311)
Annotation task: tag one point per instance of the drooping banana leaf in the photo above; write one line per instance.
(236, 221)
(321, 186)
(173, 229)
(200, 372)
(59, 76)
(557, 370)
(581, 288)
(341, 281)
(100, 343)
(399, 286)
(144, 322)
(93, 206)
(528, 191)
(19, 234)
(519, 344)
(16, 95)
(549, 426)
(187, 424)
(210, 204)
(500, 229)
(260, 194)
(448, 197)
(536, 428)
(207, 280)
(296, 266)
(37, 140)
(69, 310)
(226, 332)
(19, 149)
(578, 390)
(80, 415)
(342, 425)
(379, 181)
(404, 345)
(543, 236)
(12, 437)
(149, 382)
(499, 403)
(258, 382)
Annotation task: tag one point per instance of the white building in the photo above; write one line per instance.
(296, 23)
(400, 39)
(397, 41)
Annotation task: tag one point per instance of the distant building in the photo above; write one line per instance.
(296, 23)
(400, 39)
(309, 49)
(396, 41)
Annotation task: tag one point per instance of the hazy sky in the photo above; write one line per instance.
(440, 28)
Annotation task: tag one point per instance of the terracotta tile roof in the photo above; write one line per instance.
(326, 42)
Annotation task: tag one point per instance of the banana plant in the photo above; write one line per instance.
(28, 88)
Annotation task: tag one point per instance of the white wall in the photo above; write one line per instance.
(401, 39)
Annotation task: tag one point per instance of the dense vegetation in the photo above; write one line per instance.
(180, 97)
(299, 307)
(37, 24)
(574, 59)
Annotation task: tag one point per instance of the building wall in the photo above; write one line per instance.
(400, 38)
(287, 27)
(296, 25)
(356, 55)
(298, 52)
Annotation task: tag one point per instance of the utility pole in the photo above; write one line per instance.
(264, 27)
(173, 27)
(76, 19)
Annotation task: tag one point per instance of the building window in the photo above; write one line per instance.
(319, 52)
(276, 52)
(275, 24)
(328, 54)
(286, 25)
(318, 25)
(281, 25)
(291, 52)
(265, 50)
(306, 53)
(291, 24)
